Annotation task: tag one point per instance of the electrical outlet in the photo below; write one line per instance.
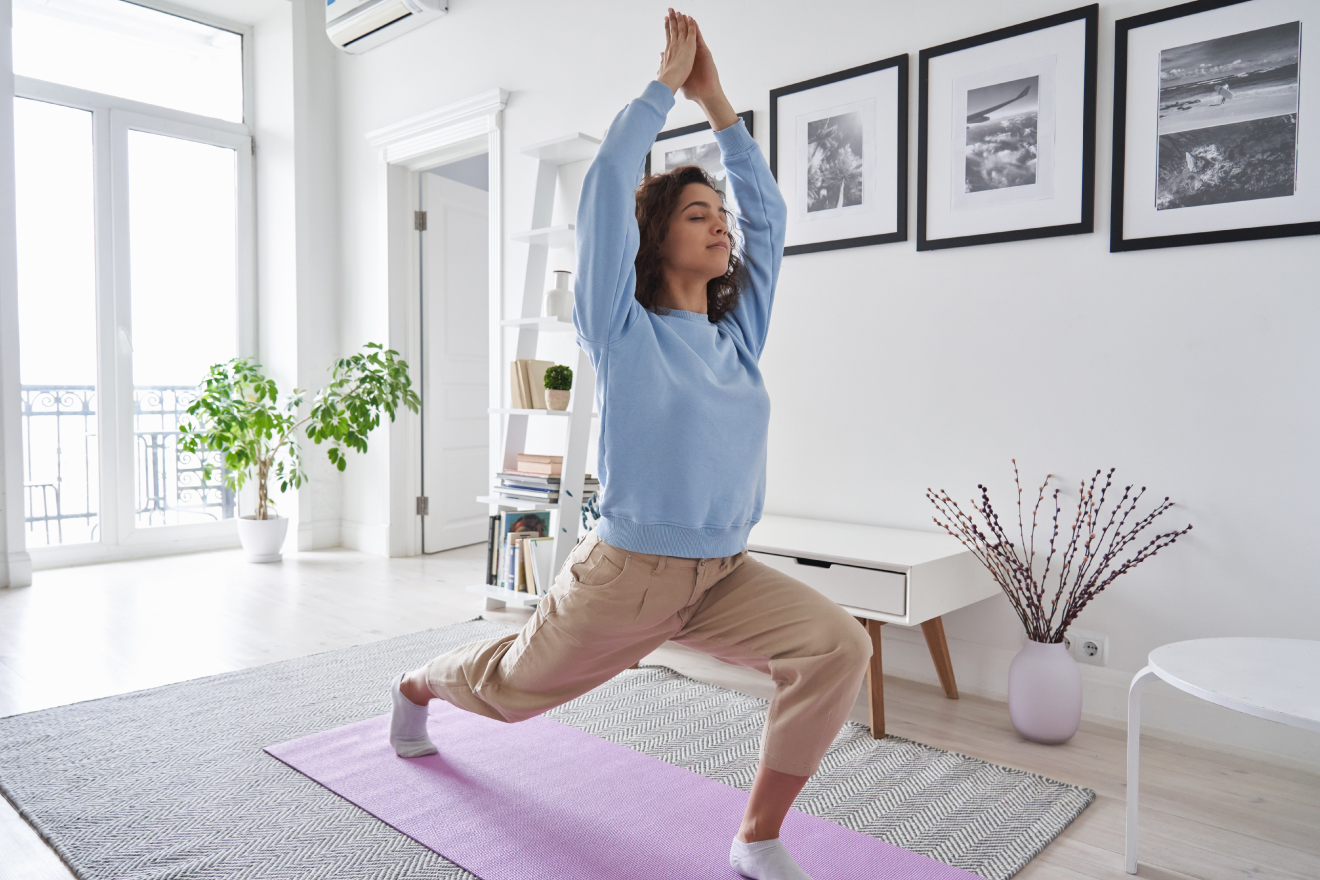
(1088, 647)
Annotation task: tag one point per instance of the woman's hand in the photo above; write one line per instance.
(704, 80)
(703, 87)
(680, 50)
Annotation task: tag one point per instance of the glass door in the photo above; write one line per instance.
(182, 207)
(61, 399)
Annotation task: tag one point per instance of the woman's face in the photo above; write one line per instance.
(697, 242)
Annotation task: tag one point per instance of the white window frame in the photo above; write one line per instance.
(112, 119)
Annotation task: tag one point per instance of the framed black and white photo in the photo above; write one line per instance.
(692, 145)
(1216, 124)
(1006, 134)
(838, 147)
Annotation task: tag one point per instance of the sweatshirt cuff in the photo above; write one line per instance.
(735, 140)
(657, 94)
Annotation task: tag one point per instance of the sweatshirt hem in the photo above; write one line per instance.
(671, 540)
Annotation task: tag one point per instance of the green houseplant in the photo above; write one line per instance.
(239, 414)
(558, 382)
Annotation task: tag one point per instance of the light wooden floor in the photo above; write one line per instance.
(82, 633)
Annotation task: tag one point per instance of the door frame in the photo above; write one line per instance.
(406, 149)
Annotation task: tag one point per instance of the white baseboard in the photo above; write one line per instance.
(368, 537)
(319, 534)
(18, 569)
(94, 554)
(1167, 713)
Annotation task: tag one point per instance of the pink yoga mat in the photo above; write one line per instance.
(543, 800)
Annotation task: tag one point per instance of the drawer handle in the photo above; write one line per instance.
(815, 563)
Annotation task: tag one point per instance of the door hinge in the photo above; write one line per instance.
(419, 221)
(423, 505)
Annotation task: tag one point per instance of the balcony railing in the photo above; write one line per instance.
(61, 469)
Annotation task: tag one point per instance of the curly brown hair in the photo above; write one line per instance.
(657, 199)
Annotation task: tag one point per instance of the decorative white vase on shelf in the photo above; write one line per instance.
(263, 538)
(556, 399)
(1045, 693)
(559, 299)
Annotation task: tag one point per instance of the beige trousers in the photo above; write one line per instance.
(608, 608)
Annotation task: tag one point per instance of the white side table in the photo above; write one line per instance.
(1276, 679)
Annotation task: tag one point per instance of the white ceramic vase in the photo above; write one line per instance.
(559, 299)
(556, 398)
(1045, 693)
(263, 538)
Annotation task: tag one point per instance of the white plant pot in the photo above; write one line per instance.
(556, 399)
(263, 538)
(1045, 693)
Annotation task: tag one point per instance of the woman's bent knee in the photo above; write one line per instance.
(855, 645)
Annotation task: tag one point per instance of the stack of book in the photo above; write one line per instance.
(520, 552)
(527, 383)
(537, 479)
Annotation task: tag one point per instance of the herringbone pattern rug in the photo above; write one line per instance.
(172, 782)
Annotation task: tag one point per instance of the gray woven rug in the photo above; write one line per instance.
(172, 783)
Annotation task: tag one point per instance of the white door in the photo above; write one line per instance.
(455, 372)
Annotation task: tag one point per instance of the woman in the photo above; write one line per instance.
(674, 320)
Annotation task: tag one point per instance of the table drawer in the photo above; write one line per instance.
(866, 588)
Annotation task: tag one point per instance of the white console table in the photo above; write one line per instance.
(879, 576)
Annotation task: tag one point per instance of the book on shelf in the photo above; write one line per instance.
(532, 480)
(544, 465)
(527, 383)
(492, 542)
(527, 495)
(512, 575)
(541, 555)
(538, 487)
(505, 540)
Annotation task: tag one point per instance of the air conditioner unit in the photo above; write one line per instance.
(358, 25)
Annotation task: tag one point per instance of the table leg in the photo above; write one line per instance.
(939, 652)
(1139, 682)
(875, 681)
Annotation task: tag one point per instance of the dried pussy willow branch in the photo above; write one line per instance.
(1095, 553)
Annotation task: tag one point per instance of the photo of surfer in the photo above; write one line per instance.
(1002, 135)
(835, 175)
(1228, 118)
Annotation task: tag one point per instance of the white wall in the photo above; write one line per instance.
(1193, 370)
(297, 233)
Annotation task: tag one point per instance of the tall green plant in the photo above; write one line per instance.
(238, 414)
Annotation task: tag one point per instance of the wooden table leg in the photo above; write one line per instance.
(875, 682)
(939, 652)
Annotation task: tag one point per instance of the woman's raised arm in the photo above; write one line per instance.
(607, 235)
(761, 212)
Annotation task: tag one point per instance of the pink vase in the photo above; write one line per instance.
(1045, 693)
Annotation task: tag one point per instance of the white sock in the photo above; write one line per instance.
(765, 860)
(408, 726)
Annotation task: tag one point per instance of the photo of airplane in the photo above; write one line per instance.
(984, 115)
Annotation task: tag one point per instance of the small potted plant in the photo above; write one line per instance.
(558, 382)
(1044, 683)
(238, 414)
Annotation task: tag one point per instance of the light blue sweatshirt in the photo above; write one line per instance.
(684, 413)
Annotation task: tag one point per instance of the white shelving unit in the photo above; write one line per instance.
(566, 516)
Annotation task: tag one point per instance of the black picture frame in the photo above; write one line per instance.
(746, 116)
(1117, 240)
(901, 234)
(1086, 222)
